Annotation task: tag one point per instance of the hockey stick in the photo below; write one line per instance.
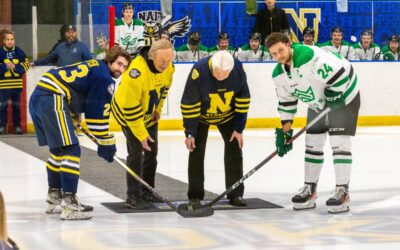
(262, 163)
(186, 213)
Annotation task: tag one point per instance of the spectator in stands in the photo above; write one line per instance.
(193, 51)
(13, 65)
(129, 31)
(391, 53)
(67, 52)
(254, 51)
(5, 242)
(308, 36)
(338, 45)
(366, 49)
(271, 19)
(102, 46)
(223, 44)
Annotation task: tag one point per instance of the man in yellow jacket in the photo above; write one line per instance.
(137, 106)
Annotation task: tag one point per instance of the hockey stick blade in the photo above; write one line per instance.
(187, 211)
(182, 211)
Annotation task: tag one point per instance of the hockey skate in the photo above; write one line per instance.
(339, 202)
(72, 209)
(53, 200)
(306, 197)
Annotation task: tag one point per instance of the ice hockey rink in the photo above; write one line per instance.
(372, 223)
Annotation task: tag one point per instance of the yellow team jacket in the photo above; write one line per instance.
(140, 93)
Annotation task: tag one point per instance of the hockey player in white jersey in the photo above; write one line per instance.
(366, 49)
(193, 51)
(254, 51)
(129, 31)
(308, 36)
(223, 44)
(320, 79)
(390, 52)
(338, 45)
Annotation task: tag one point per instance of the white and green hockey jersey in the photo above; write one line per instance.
(389, 56)
(246, 54)
(214, 49)
(345, 49)
(372, 53)
(129, 37)
(184, 54)
(312, 70)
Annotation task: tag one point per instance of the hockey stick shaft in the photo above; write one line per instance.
(263, 162)
(132, 173)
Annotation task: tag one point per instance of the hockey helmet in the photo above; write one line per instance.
(367, 32)
(286, 32)
(101, 36)
(127, 6)
(393, 38)
(165, 33)
(223, 35)
(308, 31)
(255, 35)
(337, 29)
(194, 38)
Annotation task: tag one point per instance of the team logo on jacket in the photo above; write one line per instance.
(111, 88)
(305, 96)
(195, 74)
(134, 73)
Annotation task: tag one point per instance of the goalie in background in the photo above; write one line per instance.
(320, 79)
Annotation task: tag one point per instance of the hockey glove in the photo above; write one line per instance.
(106, 148)
(334, 100)
(281, 141)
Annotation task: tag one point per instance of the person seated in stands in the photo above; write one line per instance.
(308, 36)
(391, 51)
(193, 51)
(102, 46)
(223, 44)
(366, 49)
(254, 51)
(338, 45)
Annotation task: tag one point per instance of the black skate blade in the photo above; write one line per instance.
(188, 211)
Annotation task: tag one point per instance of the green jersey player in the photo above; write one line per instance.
(318, 78)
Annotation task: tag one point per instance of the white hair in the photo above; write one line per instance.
(222, 60)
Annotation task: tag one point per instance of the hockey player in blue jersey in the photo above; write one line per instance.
(13, 65)
(85, 87)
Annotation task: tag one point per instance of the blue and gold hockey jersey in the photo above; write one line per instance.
(87, 87)
(12, 79)
(207, 100)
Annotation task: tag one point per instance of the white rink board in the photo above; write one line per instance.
(379, 83)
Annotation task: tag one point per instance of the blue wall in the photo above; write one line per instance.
(211, 17)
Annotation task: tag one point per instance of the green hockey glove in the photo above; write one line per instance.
(334, 100)
(281, 141)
